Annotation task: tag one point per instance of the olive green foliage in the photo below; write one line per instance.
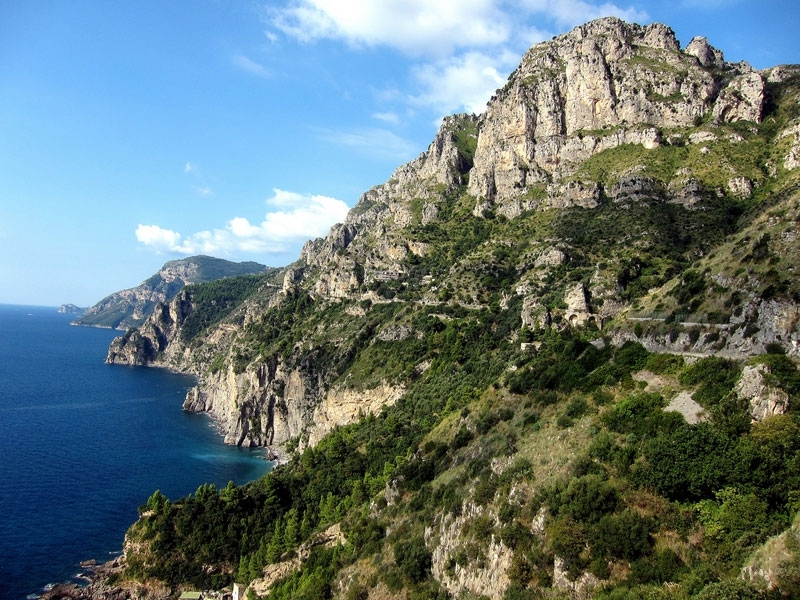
(268, 518)
(641, 415)
(650, 241)
(276, 331)
(714, 376)
(413, 558)
(466, 139)
(215, 300)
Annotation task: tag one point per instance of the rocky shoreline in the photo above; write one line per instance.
(102, 585)
(98, 576)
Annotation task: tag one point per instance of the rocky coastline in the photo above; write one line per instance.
(98, 587)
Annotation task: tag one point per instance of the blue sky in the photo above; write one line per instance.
(132, 133)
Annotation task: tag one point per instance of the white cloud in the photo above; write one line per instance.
(387, 117)
(204, 191)
(292, 219)
(415, 27)
(462, 83)
(466, 47)
(435, 29)
(161, 239)
(202, 188)
(569, 13)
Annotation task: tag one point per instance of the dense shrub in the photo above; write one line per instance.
(641, 415)
(625, 535)
(689, 463)
(588, 498)
(715, 377)
(661, 566)
(664, 364)
(631, 356)
(413, 558)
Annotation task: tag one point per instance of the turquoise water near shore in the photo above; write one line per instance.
(83, 444)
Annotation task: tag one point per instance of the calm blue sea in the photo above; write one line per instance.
(83, 444)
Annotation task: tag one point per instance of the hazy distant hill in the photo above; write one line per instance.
(130, 308)
(71, 309)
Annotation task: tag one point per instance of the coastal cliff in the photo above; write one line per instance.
(580, 133)
(519, 360)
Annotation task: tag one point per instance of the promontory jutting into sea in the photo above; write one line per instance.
(555, 356)
(84, 444)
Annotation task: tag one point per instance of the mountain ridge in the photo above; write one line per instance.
(472, 374)
(383, 249)
(131, 307)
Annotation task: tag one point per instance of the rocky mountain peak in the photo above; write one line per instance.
(601, 85)
(705, 52)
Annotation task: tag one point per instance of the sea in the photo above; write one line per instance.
(84, 444)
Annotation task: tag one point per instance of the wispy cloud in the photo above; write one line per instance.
(387, 117)
(373, 142)
(291, 219)
(251, 66)
(709, 4)
(201, 188)
(569, 13)
(462, 83)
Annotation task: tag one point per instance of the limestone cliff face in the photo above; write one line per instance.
(487, 577)
(267, 404)
(764, 400)
(261, 407)
(276, 403)
(374, 230)
(145, 345)
(602, 85)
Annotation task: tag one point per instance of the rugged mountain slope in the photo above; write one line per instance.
(130, 308)
(466, 361)
(609, 164)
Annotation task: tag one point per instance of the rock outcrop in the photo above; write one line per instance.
(488, 577)
(276, 403)
(600, 86)
(145, 345)
(764, 400)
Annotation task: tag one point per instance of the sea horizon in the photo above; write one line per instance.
(84, 444)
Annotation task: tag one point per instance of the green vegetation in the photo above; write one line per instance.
(647, 476)
(117, 310)
(215, 300)
(550, 447)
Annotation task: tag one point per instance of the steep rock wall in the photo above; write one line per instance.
(274, 403)
(603, 84)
